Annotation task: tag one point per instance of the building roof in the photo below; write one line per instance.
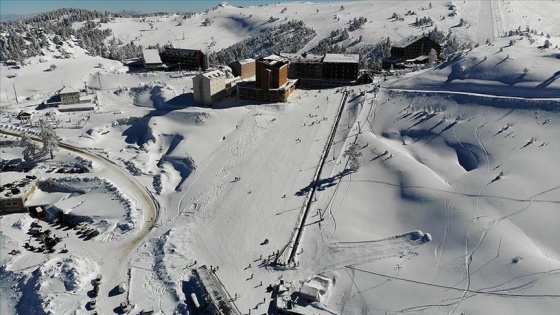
(68, 90)
(310, 290)
(213, 74)
(274, 60)
(392, 59)
(342, 58)
(151, 56)
(245, 61)
(14, 184)
(303, 57)
(407, 41)
(181, 52)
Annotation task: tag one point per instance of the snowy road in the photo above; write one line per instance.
(485, 20)
(115, 262)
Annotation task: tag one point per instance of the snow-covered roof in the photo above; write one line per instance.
(213, 74)
(407, 41)
(14, 184)
(302, 57)
(151, 56)
(345, 58)
(68, 90)
(274, 60)
(246, 61)
(309, 290)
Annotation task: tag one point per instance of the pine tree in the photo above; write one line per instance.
(30, 149)
(432, 57)
(353, 153)
(48, 138)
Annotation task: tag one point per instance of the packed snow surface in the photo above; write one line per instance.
(453, 209)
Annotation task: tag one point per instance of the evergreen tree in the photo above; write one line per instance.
(30, 149)
(353, 153)
(48, 138)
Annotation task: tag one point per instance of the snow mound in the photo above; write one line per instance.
(190, 117)
(73, 273)
(46, 288)
(154, 94)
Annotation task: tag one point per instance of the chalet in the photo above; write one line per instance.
(185, 58)
(414, 46)
(151, 59)
(14, 191)
(243, 68)
(271, 81)
(69, 95)
(413, 49)
(209, 87)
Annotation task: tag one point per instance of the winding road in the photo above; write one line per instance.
(115, 263)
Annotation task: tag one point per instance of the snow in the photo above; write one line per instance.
(151, 56)
(453, 210)
(348, 58)
(68, 90)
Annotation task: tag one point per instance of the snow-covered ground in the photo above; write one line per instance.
(465, 152)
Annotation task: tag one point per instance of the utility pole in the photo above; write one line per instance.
(17, 101)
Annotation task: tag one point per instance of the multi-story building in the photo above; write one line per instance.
(14, 191)
(305, 66)
(185, 58)
(243, 68)
(341, 67)
(209, 87)
(323, 70)
(271, 81)
(69, 95)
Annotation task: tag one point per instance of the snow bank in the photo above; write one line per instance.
(52, 286)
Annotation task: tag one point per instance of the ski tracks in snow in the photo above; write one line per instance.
(469, 256)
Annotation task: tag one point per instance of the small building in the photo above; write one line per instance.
(341, 66)
(69, 96)
(151, 59)
(14, 191)
(24, 116)
(413, 47)
(209, 87)
(310, 293)
(185, 58)
(271, 81)
(243, 68)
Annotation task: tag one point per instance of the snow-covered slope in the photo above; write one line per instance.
(231, 24)
(519, 70)
(465, 152)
